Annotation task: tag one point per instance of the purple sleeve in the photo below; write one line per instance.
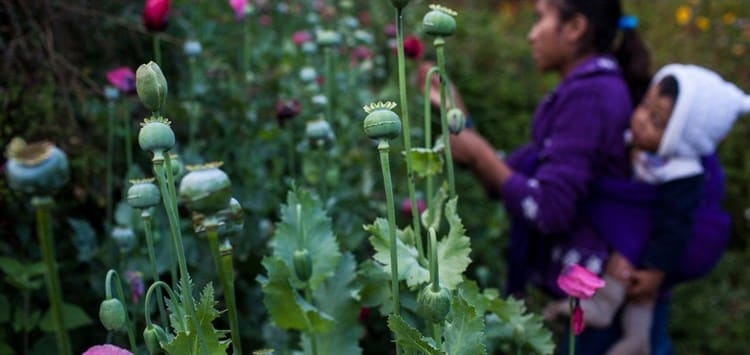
(548, 199)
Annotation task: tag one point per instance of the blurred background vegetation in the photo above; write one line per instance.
(55, 55)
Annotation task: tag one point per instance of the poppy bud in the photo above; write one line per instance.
(434, 306)
(156, 15)
(112, 314)
(151, 86)
(456, 120)
(153, 335)
(302, 264)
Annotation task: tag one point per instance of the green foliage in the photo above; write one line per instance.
(464, 329)
(427, 162)
(410, 339)
(186, 339)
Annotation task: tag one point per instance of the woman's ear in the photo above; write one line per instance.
(576, 29)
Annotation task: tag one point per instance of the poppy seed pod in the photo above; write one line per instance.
(36, 168)
(151, 86)
(328, 38)
(434, 306)
(439, 21)
(302, 264)
(143, 194)
(231, 220)
(456, 120)
(381, 122)
(112, 314)
(319, 133)
(153, 335)
(206, 188)
(124, 238)
(156, 135)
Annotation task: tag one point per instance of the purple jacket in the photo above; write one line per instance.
(577, 137)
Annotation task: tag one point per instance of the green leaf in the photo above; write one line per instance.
(287, 308)
(376, 287)
(433, 218)
(188, 342)
(426, 162)
(337, 297)
(73, 315)
(409, 268)
(464, 329)
(317, 235)
(409, 338)
(453, 251)
(523, 330)
(21, 275)
(26, 324)
(5, 349)
(84, 238)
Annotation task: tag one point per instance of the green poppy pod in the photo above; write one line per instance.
(439, 21)
(124, 238)
(143, 194)
(381, 122)
(112, 314)
(302, 264)
(230, 220)
(206, 188)
(36, 168)
(153, 335)
(156, 135)
(319, 133)
(434, 306)
(151, 86)
(328, 38)
(456, 120)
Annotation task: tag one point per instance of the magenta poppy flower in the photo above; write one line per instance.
(413, 48)
(578, 324)
(137, 288)
(123, 78)
(156, 14)
(360, 54)
(286, 110)
(390, 30)
(406, 206)
(106, 349)
(577, 281)
(300, 37)
(239, 7)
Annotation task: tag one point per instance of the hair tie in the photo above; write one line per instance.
(628, 22)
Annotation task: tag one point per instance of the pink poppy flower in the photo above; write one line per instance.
(123, 78)
(156, 14)
(360, 54)
(413, 48)
(391, 30)
(106, 349)
(300, 37)
(239, 7)
(578, 323)
(577, 281)
(406, 206)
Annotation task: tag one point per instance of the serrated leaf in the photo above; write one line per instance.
(524, 330)
(376, 287)
(337, 297)
(311, 220)
(23, 276)
(426, 162)
(453, 251)
(464, 329)
(409, 338)
(287, 308)
(409, 268)
(73, 315)
(432, 218)
(188, 342)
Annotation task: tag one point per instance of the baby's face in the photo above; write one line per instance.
(650, 119)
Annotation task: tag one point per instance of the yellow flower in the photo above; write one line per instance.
(703, 23)
(729, 18)
(683, 15)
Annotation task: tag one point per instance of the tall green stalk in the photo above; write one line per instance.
(43, 205)
(147, 226)
(163, 173)
(328, 57)
(571, 334)
(157, 49)
(110, 149)
(383, 149)
(428, 136)
(121, 295)
(407, 135)
(128, 143)
(228, 266)
(440, 47)
(435, 282)
(212, 234)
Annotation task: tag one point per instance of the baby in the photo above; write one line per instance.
(684, 115)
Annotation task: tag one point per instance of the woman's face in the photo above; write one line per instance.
(549, 49)
(650, 119)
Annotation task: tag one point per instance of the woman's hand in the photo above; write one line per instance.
(645, 284)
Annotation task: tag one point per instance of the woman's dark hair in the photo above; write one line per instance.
(668, 87)
(604, 25)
